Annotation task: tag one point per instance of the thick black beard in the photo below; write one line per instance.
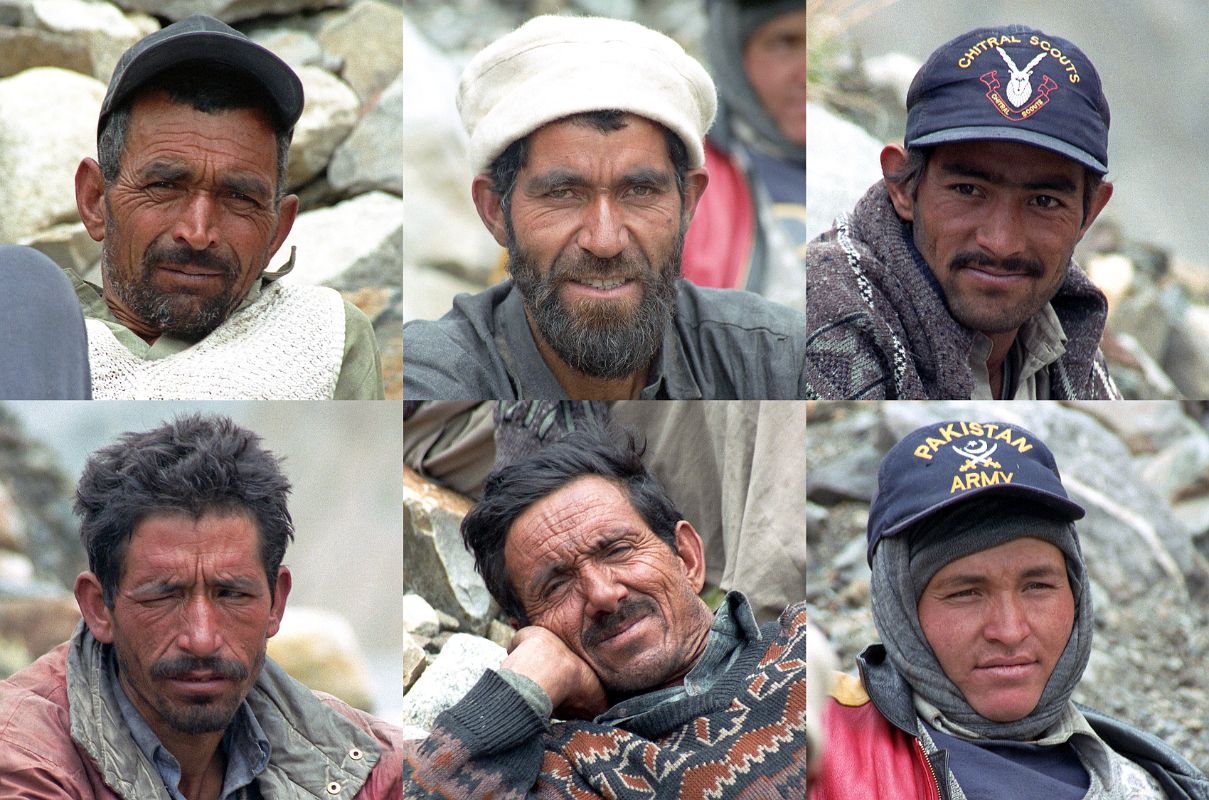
(184, 316)
(595, 340)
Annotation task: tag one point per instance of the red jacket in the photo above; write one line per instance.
(867, 758)
(61, 736)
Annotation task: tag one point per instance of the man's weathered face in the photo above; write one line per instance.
(586, 566)
(191, 619)
(595, 232)
(997, 223)
(998, 620)
(774, 59)
(190, 222)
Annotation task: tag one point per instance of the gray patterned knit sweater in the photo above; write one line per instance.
(744, 739)
(878, 328)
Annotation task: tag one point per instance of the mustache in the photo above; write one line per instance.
(602, 627)
(182, 667)
(585, 265)
(1027, 266)
(183, 255)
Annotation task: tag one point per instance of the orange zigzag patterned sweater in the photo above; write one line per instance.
(745, 739)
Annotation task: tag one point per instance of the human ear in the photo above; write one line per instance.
(90, 197)
(490, 208)
(90, 597)
(691, 553)
(285, 581)
(893, 158)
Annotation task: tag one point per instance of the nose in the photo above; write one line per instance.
(603, 233)
(196, 224)
(602, 592)
(199, 635)
(1001, 232)
(1007, 622)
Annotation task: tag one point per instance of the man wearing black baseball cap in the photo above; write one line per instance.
(952, 278)
(187, 194)
(982, 600)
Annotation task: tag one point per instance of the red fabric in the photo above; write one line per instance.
(867, 758)
(717, 247)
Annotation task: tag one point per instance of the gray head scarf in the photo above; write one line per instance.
(731, 24)
(902, 567)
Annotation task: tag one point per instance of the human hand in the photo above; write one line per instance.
(573, 688)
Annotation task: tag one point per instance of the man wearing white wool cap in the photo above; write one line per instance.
(586, 140)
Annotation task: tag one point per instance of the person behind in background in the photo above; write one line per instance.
(188, 196)
(749, 231)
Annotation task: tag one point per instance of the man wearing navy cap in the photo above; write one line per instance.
(981, 597)
(187, 194)
(952, 278)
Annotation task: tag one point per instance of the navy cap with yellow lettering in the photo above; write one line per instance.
(1011, 83)
(945, 463)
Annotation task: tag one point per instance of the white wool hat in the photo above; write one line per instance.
(554, 66)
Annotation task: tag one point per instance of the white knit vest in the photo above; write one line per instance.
(287, 345)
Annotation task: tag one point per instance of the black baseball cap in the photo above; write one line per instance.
(946, 463)
(204, 40)
(1011, 83)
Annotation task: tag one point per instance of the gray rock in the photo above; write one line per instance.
(430, 290)
(25, 48)
(419, 617)
(853, 476)
(1180, 471)
(841, 164)
(37, 170)
(500, 633)
(353, 244)
(436, 563)
(369, 158)
(297, 48)
(1135, 306)
(329, 116)
(319, 648)
(68, 245)
(1145, 427)
(97, 29)
(448, 621)
(443, 228)
(228, 11)
(1187, 358)
(367, 37)
(461, 663)
(414, 660)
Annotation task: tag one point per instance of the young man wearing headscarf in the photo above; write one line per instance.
(750, 228)
(983, 603)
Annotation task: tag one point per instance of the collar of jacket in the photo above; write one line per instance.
(316, 752)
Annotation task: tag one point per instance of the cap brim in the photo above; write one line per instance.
(1062, 505)
(215, 47)
(976, 133)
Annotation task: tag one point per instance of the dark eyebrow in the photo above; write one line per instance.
(649, 176)
(1051, 183)
(602, 541)
(554, 179)
(250, 185)
(166, 170)
(974, 579)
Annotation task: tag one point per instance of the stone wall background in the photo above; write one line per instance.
(342, 628)
(1141, 470)
(344, 160)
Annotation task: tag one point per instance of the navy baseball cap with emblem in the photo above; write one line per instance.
(946, 463)
(203, 41)
(1011, 83)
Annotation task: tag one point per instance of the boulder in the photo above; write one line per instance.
(369, 159)
(329, 116)
(841, 164)
(352, 244)
(430, 290)
(68, 245)
(419, 617)
(12, 527)
(228, 11)
(415, 660)
(37, 170)
(436, 563)
(319, 648)
(97, 30)
(443, 228)
(1187, 358)
(25, 48)
(1135, 306)
(367, 37)
(39, 624)
(298, 48)
(461, 663)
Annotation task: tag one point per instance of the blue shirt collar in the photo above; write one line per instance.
(244, 742)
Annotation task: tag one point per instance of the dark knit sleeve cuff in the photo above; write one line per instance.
(493, 717)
